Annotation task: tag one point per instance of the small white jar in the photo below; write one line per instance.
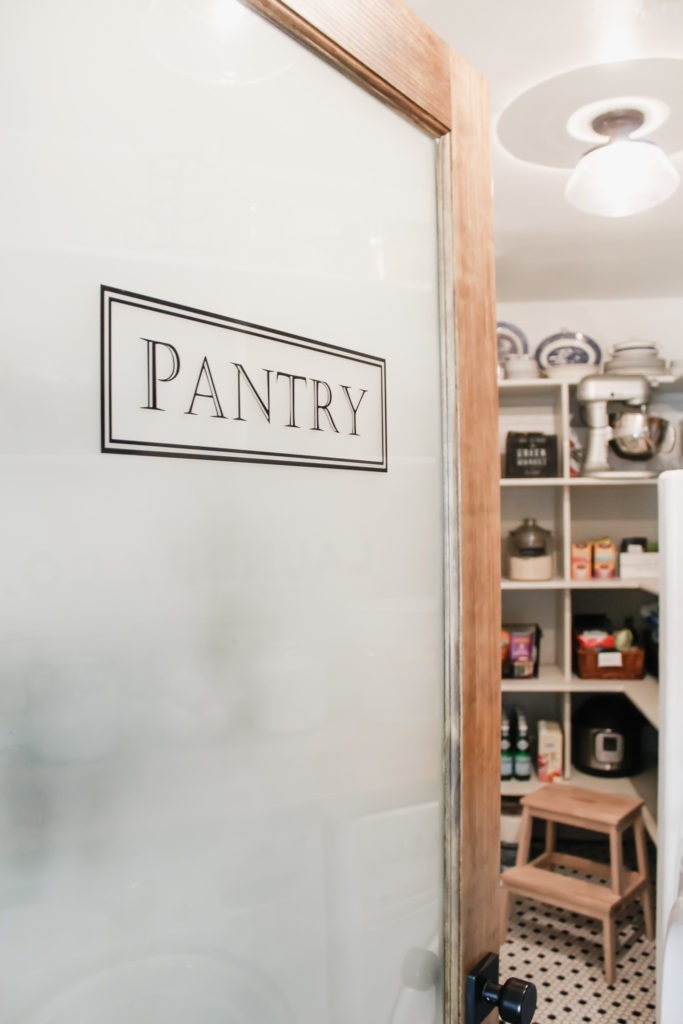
(521, 367)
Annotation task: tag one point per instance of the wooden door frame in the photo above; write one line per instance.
(387, 49)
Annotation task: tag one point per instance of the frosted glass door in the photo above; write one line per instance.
(222, 635)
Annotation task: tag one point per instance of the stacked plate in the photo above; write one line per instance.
(635, 357)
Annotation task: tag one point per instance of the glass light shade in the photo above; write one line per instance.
(622, 178)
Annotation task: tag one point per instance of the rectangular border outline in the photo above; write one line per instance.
(109, 295)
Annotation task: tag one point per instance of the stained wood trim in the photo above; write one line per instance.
(479, 501)
(382, 44)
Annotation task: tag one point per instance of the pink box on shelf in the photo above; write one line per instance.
(581, 561)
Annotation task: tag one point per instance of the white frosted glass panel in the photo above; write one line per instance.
(221, 701)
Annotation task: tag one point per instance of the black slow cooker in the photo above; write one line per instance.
(606, 736)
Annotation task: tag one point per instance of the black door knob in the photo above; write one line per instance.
(515, 999)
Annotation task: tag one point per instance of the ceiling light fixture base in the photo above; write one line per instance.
(617, 124)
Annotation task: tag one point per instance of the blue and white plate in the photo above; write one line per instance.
(567, 348)
(511, 341)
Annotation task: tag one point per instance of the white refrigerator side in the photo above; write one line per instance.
(670, 816)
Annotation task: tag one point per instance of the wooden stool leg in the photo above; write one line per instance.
(524, 838)
(646, 895)
(609, 941)
(504, 912)
(550, 837)
(616, 854)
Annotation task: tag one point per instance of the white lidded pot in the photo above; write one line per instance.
(521, 368)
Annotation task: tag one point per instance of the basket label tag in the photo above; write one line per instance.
(610, 659)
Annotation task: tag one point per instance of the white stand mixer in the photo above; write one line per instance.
(595, 392)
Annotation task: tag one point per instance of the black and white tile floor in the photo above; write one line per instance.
(561, 953)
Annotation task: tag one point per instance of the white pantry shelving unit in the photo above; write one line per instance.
(574, 509)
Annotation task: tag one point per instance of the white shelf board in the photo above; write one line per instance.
(555, 382)
(534, 383)
(643, 693)
(559, 583)
(615, 481)
(554, 584)
(551, 679)
(616, 583)
(532, 481)
(576, 481)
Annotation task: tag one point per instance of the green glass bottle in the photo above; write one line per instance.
(522, 755)
(505, 748)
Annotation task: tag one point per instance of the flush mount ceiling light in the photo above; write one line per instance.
(625, 175)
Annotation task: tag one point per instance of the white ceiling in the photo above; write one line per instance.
(545, 249)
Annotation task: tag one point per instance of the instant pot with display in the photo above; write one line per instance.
(606, 734)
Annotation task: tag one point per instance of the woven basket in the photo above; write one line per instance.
(632, 664)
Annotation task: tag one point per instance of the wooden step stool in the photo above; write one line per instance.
(558, 804)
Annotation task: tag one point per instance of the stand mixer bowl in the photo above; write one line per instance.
(636, 435)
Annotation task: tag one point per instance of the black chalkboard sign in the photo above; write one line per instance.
(531, 454)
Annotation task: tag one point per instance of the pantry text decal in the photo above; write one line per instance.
(186, 383)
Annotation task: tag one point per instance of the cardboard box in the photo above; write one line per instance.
(520, 651)
(581, 561)
(549, 751)
(604, 559)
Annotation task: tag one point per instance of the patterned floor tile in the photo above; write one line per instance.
(561, 953)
